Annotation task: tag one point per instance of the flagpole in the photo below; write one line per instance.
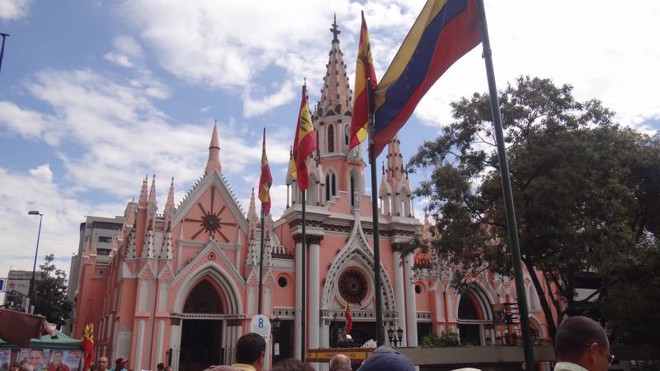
(380, 333)
(304, 288)
(2, 49)
(508, 194)
(261, 258)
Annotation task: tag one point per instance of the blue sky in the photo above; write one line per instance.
(94, 95)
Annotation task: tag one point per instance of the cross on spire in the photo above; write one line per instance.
(335, 30)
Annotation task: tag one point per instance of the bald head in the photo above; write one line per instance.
(575, 335)
(340, 362)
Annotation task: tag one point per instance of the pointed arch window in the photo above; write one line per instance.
(353, 189)
(347, 134)
(330, 186)
(331, 138)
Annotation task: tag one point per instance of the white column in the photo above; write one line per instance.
(175, 344)
(314, 296)
(297, 337)
(313, 325)
(411, 303)
(400, 296)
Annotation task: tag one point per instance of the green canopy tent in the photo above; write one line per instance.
(46, 342)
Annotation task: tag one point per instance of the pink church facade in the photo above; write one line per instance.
(181, 286)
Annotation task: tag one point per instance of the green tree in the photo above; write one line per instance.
(50, 299)
(582, 189)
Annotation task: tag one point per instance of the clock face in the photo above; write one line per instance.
(211, 221)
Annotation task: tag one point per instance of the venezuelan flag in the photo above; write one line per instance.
(444, 31)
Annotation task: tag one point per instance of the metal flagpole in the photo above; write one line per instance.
(2, 49)
(380, 330)
(508, 194)
(303, 340)
(261, 259)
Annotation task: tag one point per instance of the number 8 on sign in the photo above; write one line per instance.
(260, 324)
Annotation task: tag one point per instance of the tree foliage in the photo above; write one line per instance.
(50, 299)
(586, 191)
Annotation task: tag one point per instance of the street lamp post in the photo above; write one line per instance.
(36, 253)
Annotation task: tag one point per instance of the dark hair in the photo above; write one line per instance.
(160, 366)
(575, 335)
(292, 364)
(249, 348)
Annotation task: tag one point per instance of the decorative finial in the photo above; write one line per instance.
(335, 30)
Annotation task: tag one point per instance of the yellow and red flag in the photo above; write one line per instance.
(349, 319)
(304, 143)
(365, 77)
(88, 345)
(266, 179)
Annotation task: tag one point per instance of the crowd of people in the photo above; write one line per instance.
(581, 344)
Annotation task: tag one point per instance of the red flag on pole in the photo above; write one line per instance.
(266, 179)
(364, 75)
(305, 142)
(349, 319)
(88, 345)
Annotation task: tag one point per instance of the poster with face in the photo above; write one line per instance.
(35, 357)
(5, 359)
(41, 359)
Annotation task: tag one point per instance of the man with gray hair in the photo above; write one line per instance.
(340, 362)
(581, 345)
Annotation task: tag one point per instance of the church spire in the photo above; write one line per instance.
(213, 162)
(394, 160)
(152, 192)
(168, 213)
(143, 192)
(336, 91)
(395, 188)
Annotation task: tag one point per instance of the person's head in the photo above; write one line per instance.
(57, 357)
(102, 363)
(583, 341)
(250, 349)
(160, 366)
(292, 364)
(36, 357)
(385, 358)
(120, 363)
(340, 362)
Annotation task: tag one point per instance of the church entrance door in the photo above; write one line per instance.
(201, 332)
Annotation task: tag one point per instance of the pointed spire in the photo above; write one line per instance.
(394, 159)
(143, 192)
(170, 195)
(253, 208)
(169, 207)
(152, 192)
(253, 217)
(336, 91)
(213, 162)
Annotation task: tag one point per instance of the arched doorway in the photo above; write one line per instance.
(473, 316)
(201, 339)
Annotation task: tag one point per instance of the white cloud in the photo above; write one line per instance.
(14, 9)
